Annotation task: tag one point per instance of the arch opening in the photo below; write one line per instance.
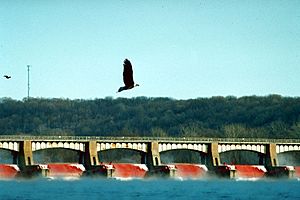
(56, 155)
(8, 156)
(242, 157)
(290, 158)
(183, 156)
(121, 155)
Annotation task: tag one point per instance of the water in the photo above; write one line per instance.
(148, 189)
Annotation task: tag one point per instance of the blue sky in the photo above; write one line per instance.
(179, 49)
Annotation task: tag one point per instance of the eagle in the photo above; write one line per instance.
(127, 76)
(7, 77)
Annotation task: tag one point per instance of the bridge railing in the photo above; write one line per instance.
(144, 139)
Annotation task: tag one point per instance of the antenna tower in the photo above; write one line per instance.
(28, 86)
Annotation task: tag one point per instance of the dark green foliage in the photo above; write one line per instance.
(272, 116)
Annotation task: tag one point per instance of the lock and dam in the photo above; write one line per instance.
(22, 150)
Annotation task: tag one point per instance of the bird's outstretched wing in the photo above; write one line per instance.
(7, 77)
(128, 74)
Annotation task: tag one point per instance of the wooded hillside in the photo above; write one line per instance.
(271, 116)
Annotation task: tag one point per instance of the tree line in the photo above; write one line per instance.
(272, 116)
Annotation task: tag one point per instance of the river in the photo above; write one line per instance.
(93, 188)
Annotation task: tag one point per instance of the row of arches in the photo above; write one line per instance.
(125, 155)
(101, 146)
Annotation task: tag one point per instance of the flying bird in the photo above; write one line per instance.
(7, 77)
(127, 76)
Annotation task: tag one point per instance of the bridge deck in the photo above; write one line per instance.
(16, 138)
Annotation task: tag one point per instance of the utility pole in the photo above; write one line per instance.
(28, 86)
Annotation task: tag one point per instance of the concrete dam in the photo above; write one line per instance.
(88, 148)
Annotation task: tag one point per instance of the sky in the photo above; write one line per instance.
(179, 49)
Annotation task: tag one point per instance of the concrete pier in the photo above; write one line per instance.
(25, 154)
(90, 154)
